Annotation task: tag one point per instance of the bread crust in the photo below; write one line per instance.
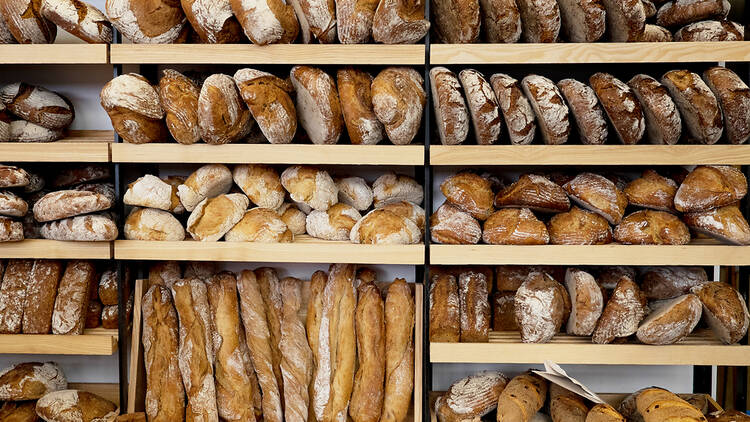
(41, 291)
(450, 225)
(30, 381)
(153, 224)
(160, 22)
(72, 297)
(522, 398)
(697, 104)
(392, 187)
(663, 122)
(734, 98)
(501, 20)
(725, 310)
(622, 314)
(261, 183)
(671, 320)
(598, 194)
(656, 33)
(84, 228)
(69, 203)
(333, 224)
(514, 226)
(650, 227)
(445, 312)
(318, 104)
(13, 292)
(582, 20)
(682, 12)
(134, 108)
(451, 113)
(267, 22)
(80, 19)
(260, 225)
(179, 98)
(539, 325)
(471, 397)
(311, 186)
(535, 192)
(475, 312)
(38, 105)
(268, 99)
(456, 22)
(206, 182)
(398, 99)
(483, 107)
(726, 224)
(585, 110)
(354, 20)
(540, 20)
(222, 115)
(708, 187)
(399, 351)
(549, 107)
(517, 112)
(399, 22)
(653, 191)
(24, 20)
(367, 395)
(626, 20)
(356, 192)
(587, 302)
(213, 21)
(12, 177)
(622, 107)
(470, 193)
(355, 95)
(214, 217)
(711, 30)
(579, 227)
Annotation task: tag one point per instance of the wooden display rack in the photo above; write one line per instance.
(93, 342)
(55, 249)
(54, 53)
(83, 146)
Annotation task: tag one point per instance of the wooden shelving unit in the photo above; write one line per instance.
(405, 155)
(598, 155)
(304, 250)
(55, 249)
(248, 54)
(93, 342)
(83, 146)
(605, 52)
(54, 54)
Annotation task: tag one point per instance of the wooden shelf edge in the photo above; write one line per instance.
(55, 249)
(54, 54)
(411, 155)
(100, 344)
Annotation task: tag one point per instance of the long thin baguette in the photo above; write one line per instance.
(320, 388)
(367, 397)
(296, 356)
(399, 351)
(270, 290)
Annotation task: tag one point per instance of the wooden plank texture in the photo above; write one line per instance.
(53, 53)
(55, 249)
(97, 341)
(83, 146)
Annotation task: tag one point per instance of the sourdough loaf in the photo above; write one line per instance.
(474, 305)
(471, 398)
(711, 30)
(582, 20)
(579, 227)
(222, 115)
(587, 302)
(69, 203)
(540, 20)
(179, 98)
(698, 106)
(622, 314)
(268, 22)
(134, 108)
(399, 22)
(514, 226)
(398, 99)
(663, 122)
(622, 107)
(535, 192)
(82, 228)
(318, 104)
(355, 94)
(354, 20)
(724, 309)
(214, 217)
(734, 98)
(37, 105)
(310, 186)
(708, 187)
(268, 99)
(206, 182)
(501, 20)
(25, 21)
(392, 187)
(626, 20)
(160, 22)
(152, 224)
(598, 194)
(456, 22)
(586, 111)
(261, 183)
(450, 225)
(260, 225)
(78, 18)
(539, 308)
(355, 191)
(333, 224)
(213, 21)
(517, 112)
(650, 227)
(451, 114)
(483, 107)
(30, 381)
(671, 320)
(445, 315)
(470, 193)
(549, 107)
(726, 224)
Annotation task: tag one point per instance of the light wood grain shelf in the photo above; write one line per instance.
(55, 249)
(82, 146)
(558, 53)
(600, 155)
(303, 250)
(700, 348)
(697, 253)
(53, 54)
(313, 54)
(411, 155)
(97, 341)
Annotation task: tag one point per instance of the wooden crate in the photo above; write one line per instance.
(137, 371)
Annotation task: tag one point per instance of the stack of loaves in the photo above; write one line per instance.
(45, 296)
(239, 346)
(33, 114)
(36, 21)
(708, 198)
(35, 390)
(663, 309)
(318, 205)
(548, 21)
(224, 109)
(644, 107)
(74, 209)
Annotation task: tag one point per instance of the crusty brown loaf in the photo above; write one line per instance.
(222, 115)
(72, 297)
(24, 20)
(598, 194)
(13, 295)
(296, 357)
(549, 107)
(78, 18)
(30, 381)
(267, 97)
(622, 313)
(409, 210)
(566, 406)
(708, 187)
(517, 112)
(682, 12)
(579, 227)
(540, 20)
(514, 226)
(12, 205)
(202, 270)
(161, 22)
(355, 95)
(134, 108)
(670, 320)
(75, 405)
(504, 311)
(40, 296)
(535, 192)
(470, 193)
(501, 20)
(710, 30)
(164, 273)
(318, 105)
(656, 33)
(86, 228)
(24, 411)
(399, 22)
(483, 106)
(450, 225)
(649, 227)
(522, 398)
(381, 226)
(318, 393)
(206, 182)
(603, 412)
(77, 174)
(179, 98)
(451, 113)
(317, 18)
(724, 309)
(726, 224)
(261, 183)
(367, 395)
(626, 20)
(587, 302)
(260, 225)
(698, 106)
(539, 325)
(165, 394)
(273, 21)
(214, 217)
(398, 99)
(456, 22)
(475, 311)
(660, 283)
(333, 224)
(11, 176)
(213, 21)
(399, 351)
(653, 191)
(582, 20)
(37, 105)
(656, 404)
(152, 224)
(69, 203)
(586, 111)
(471, 398)
(445, 313)
(734, 98)
(622, 107)
(270, 290)
(663, 122)
(354, 20)
(23, 131)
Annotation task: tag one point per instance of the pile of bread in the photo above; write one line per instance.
(69, 203)
(236, 347)
(35, 390)
(33, 114)
(525, 397)
(663, 308)
(51, 297)
(716, 105)
(36, 21)
(708, 198)
(257, 107)
(303, 199)
(547, 21)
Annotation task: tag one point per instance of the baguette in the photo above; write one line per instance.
(399, 351)
(41, 291)
(367, 395)
(270, 290)
(296, 356)
(321, 386)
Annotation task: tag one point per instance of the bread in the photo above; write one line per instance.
(316, 18)
(196, 351)
(399, 351)
(444, 309)
(504, 311)
(80, 19)
(540, 20)
(354, 20)
(409, 210)
(456, 23)
(656, 404)
(270, 290)
(501, 20)
(399, 22)
(162, 23)
(622, 314)
(269, 22)
(164, 273)
(626, 20)
(83, 228)
(470, 193)
(450, 225)
(598, 194)
(213, 21)
(698, 106)
(37, 105)
(69, 203)
(398, 99)
(267, 97)
(18, 411)
(25, 21)
(649, 227)
(649, 8)
(652, 191)
(579, 227)
(23, 131)
(622, 107)
(587, 302)
(471, 397)
(582, 20)
(72, 297)
(535, 192)
(134, 108)
(708, 187)
(319, 393)
(355, 96)
(259, 225)
(451, 113)
(549, 107)
(152, 192)
(355, 192)
(6, 38)
(206, 182)
(539, 325)
(214, 217)
(333, 224)
(724, 309)
(153, 224)
(67, 405)
(385, 227)
(132, 417)
(258, 337)
(474, 306)
(656, 33)
(517, 112)
(392, 187)
(663, 122)
(710, 30)
(585, 108)
(294, 219)
(566, 406)
(524, 395)
(660, 283)
(514, 226)
(726, 224)
(729, 416)
(13, 295)
(222, 115)
(179, 98)
(12, 177)
(311, 186)
(367, 394)
(30, 381)
(734, 98)
(510, 277)
(603, 412)
(483, 107)
(77, 174)
(41, 291)
(317, 104)
(261, 183)
(681, 12)
(12, 205)
(670, 320)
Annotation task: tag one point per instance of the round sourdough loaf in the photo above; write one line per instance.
(12, 205)
(398, 99)
(671, 320)
(683, 12)
(708, 187)
(179, 98)
(260, 225)
(726, 224)
(451, 114)
(152, 22)
(471, 398)
(579, 227)
(587, 302)
(317, 104)
(582, 20)
(58, 406)
(268, 98)
(82, 228)
(540, 20)
(517, 112)
(135, 110)
(152, 192)
(355, 94)
(267, 21)
(659, 283)
(213, 21)
(483, 107)
(469, 192)
(335, 223)
(30, 381)
(697, 104)
(514, 226)
(385, 227)
(534, 192)
(68, 203)
(626, 20)
(355, 191)
(261, 184)
(310, 186)
(650, 227)
(25, 21)
(409, 210)
(549, 107)
(399, 22)
(734, 98)
(622, 107)
(23, 131)
(539, 308)
(13, 177)
(501, 20)
(456, 22)
(598, 194)
(725, 310)
(79, 18)
(622, 314)
(153, 224)
(450, 225)
(711, 30)
(214, 217)
(663, 122)
(10, 231)
(316, 18)
(37, 105)
(354, 20)
(206, 182)
(222, 115)
(392, 187)
(653, 191)
(586, 111)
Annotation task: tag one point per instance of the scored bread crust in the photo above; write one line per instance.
(37, 105)
(682, 12)
(213, 217)
(539, 308)
(711, 30)
(354, 20)
(261, 225)
(653, 191)
(663, 122)
(474, 305)
(356, 192)
(549, 107)
(23, 131)
(471, 397)
(381, 226)
(708, 187)
(469, 192)
(650, 227)
(517, 112)
(268, 99)
(656, 33)
(135, 110)
(671, 320)
(179, 98)
(391, 187)
(399, 22)
(222, 115)
(535, 192)
(725, 310)
(582, 20)
(514, 226)
(335, 223)
(158, 22)
(261, 183)
(501, 20)
(598, 194)
(451, 114)
(483, 107)
(456, 22)
(726, 224)
(622, 107)
(25, 21)
(205, 182)
(626, 20)
(318, 106)
(153, 224)
(587, 302)
(540, 20)
(697, 104)
(579, 227)
(586, 111)
(398, 99)
(444, 309)
(734, 97)
(450, 225)
(622, 314)
(213, 21)
(355, 95)
(88, 228)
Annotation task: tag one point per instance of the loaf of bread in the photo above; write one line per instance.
(653, 191)
(213, 21)
(179, 98)
(514, 226)
(475, 312)
(734, 98)
(72, 297)
(260, 225)
(385, 227)
(30, 381)
(540, 20)
(711, 30)
(133, 107)
(41, 290)
(152, 192)
(355, 191)
(450, 225)
(311, 186)
(67, 405)
(77, 174)
(681, 12)
(483, 106)
(152, 224)
(626, 20)
(270, 289)
(663, 122)
(445, 312)
(354, 20)
(78, 18)
(318, 104)
(392, 187)
(451, 113)
(12, 177)
(656, 33)
(25, 22)
(399, 351)
(333, 224)
(621, 105)
(23, 131)
(548, 105)
(69, 203)
(566, 406)
(517, 112)
(584, 106)
(724, 309)
(470, 193)
(163, 23)
(319, 393)
(649, 227)
(522, 398)
(37, 105)
(367, 394)
(222, 115)
(83, 228)
(398, 99)
(659, 283)
(539, 325)
(504, 311)
(579, 227)
(317, 18)
(13, 292)
(261, 183)
(656, 404)
(214, 217)
(399, 22)
(587, 302)
(12, 205)
(598, 194)
(508, 278)
(279, 22)
(603, 412)
(726, 224)
(294, 219)
(670, 320)
(206, 182)
(19, 411)
(456, 23)
(535, 192)
(622, 314)
(708, 187)
(471, 398)
(278, 123)
(409, 210)
(10, 231)
(501, 20)
(698, 106)
(582, 21)
(202, 270)
(354, 89)
(164, 273)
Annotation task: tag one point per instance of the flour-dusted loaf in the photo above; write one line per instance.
(317, 18)
(214, 217)
(367, 395)
(483, 106)
(318, 104)
(381, 226)
(398, 99)
(517, 112)
(152, 224)
(682, 12)
(206, 182)
(392, 187)
(333, 224)
(164, 273)
(75, 405)
(399, 351)
(655, 33)
(13, 292)
(670, 320)
(535, 192)
(319, 345)
(470, 193)
(10, 231)
(622, 314)
(69, 203)
(160, 22)
(711, 30)
(659, 283)
(82, 228)
(539, 308)
(734, 98)
(77, 174)
(663, 122)
(24, 411)
(456, 22)
(540, 20)
(471, 397)
(501, 21)
(261, 183)
(267, 22)
(25, 21)
(23, 131)
(587, 302)
(13, 177)
(311, 186)
(514, 226)
(708, 187)
(267, 97)
(409, 210)
(78, 18)
(41, 290)
(524, 395)
(549, 107)
(134, 108)
(451, 113)
(651, 227)
(598, 194)
(399, 22)
(626, 20)
(698, 106)
(354, 20)
(579, 227)
(213, 21)
(30, 381)
(260, 225)
(451, 225)
(72, 297)
(582, 20)
(656, 404)
(445, 315)
(475, 311)
(150, 191)
(727, 224)
(355, 191)
(294, 219)
(11, 205)
(6, 37)
(621, 105)
(586, 111)
(724, 309)
(355, 95)
(37, 105)
(222, 115)
(179, 98)
(653, 191)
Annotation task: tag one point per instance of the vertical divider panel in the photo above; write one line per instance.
(426, 365)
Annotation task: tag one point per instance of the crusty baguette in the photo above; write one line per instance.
(270, 290)
(296, 356)
(367, 397)
(399, 351)
(320, 388)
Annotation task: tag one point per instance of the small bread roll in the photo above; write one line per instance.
(179, 98)
(582, 20)
(726, 224)
(152, 192)
(409, 210)
(355, 191)
(483, 107)
(456, 22)
(294, 219)
(711, 30)
(134, 108)
(399, 22)
(206, 182)
(355, 95)
(469, 192)
(317, 104)
(24, 20)
(598, 194)
(697, 104)
(652, 191)
(214, 217)
(514, 226)
(451, 114)
(261, 184)
(384, 227)
(333, 224)
(579, 227)
(725, 310)
(734, 97)
(268, 99)
(549, 107)
(622, 107)
(310, 186)
(708, 187)
(37, 105)
(535, 192)
(398, 99)
(501, 20)
(260, 225)
(656, 33)
(649, 227)
(517, 112)
(586, 111)
(540, 20)
(392, 187)
(163, 23)
(663, 122)
(682, 12)
(222, 115)
(153, 224)
(626, 20)
(450, 225)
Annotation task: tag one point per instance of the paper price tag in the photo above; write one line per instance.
(554, 373)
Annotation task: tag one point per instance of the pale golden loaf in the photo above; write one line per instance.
(579, 227)
(355, 191)
(153, 192)
(260, 225)
(524, 395)
(64, 405)
(78, 18)
(409, 210)
(335, 223)
(153, 224)
(398, 99)
(214, 217)
(649, 227)
(134, 108)
(206, 182)
(653, 191)
(294, 219)
(268, 99)
(385, 227)
(392, 187)
(450, 225)
(535, 192)
(31, 381)
(514, 226)
(311, 186)
(261, 183)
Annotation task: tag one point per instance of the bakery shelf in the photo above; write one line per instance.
(700, 348)
(83, 146)
(700, 252)
(406, 155)
(601, 155)
(558, 53)
(304, 249)
(54, 54)
(97, 341)
(55, 249)
(248, 54)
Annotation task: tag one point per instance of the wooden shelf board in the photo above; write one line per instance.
(53, 54)
(697, 253)
(523, 53)
(700, 348)
(411, 155)
(97, 341)
(303, 250)
(55, 249)
(83, 146)
(602, 155)
(314, 54)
